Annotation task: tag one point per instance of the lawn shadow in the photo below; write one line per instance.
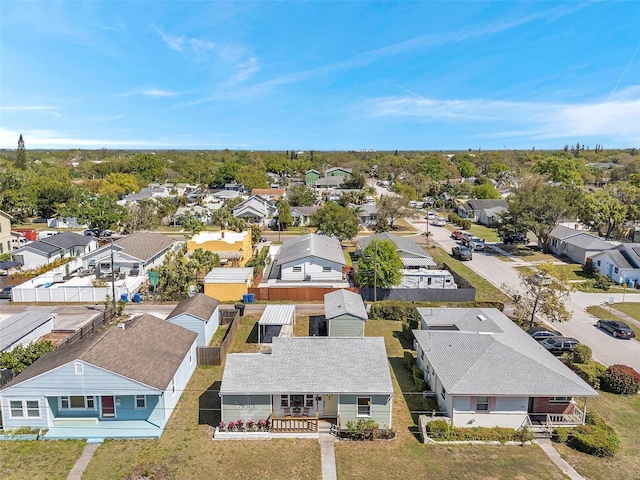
(253, 334)
(209, 406)
(406, 344)
(317, 326)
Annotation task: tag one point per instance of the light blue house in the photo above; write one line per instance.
(200, 314)
(122, 382)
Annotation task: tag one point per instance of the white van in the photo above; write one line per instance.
(45, 234)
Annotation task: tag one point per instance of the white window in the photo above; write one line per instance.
(297, 269)
(364, 407)
(141, 402)
(560, 399)
(482, 404)
(284, 401)
(24, 408)
(79, 368)
(326, 269)
(308, 401)
(77, 402)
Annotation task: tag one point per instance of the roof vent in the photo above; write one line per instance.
(482, 318)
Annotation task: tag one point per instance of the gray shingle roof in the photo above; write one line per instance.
(311, 245)
(145, 245)
(588, 242)
(493, 357)
(17, 326)
(344, 302)
(406, 247)
(561, 232)
(68, 240)
(39, 246)
(200, 306)
(149, 350)
(626, 255)
(313, 365)
(483, 204)
(305, 211)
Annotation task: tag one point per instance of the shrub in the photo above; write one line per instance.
(409, 361)
(560, 434)
(595, 440)
(589, 372)
(601, 282)
(363, 429)
(418, 378)
(465, 224)
(398, 311)
(621, 380)
(441, 430)
(437, 428)
(582, 354)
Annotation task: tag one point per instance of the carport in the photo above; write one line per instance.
(276, 320)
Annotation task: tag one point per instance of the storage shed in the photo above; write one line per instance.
(345, 314)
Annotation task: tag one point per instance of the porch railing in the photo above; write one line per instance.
(295, 424)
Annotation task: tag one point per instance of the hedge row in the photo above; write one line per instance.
(464, 223)
(397, 311)
(442, 431)
(595, 437)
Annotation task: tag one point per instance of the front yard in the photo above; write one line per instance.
(38, 460)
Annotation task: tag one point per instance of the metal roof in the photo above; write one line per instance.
(490, 355)
(418, 262)
(311, 365)
(344, 302)
(406, 247)
(278, 315)
(229, 275)
(311, 245)
(20, 325)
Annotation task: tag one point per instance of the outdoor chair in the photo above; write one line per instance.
(287, 411)
(305, 412)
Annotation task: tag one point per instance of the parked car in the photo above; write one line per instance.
(439, 222)
(540, 333)
(431, 215)
(457, 234)
(462, 253)
(90, 233)
(263, 239)
(95, 232)
(510, 238)
(5, 293)
(559, 345)
(466, 236)
(616, 328)
(474, 243)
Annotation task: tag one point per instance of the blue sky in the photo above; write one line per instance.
(319, 75)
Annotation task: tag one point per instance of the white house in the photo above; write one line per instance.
(576, 245)
(311, 258)
(254, 209)
(52, 248)
(25, 327)
(484, 371)
(621, 264)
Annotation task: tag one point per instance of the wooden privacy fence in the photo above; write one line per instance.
(216, 355)
(96, 322)
(297, 294)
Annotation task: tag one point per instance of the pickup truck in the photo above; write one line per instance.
(510, 238)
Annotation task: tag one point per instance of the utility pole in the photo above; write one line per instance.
(113, 279)
(375, 273)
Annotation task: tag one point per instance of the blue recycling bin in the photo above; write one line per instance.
(137, 298)
(124, 297)
(245, 298)
(251, 297)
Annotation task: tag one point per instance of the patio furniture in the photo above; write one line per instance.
(297, 411)
(305, 412)
(287, 411)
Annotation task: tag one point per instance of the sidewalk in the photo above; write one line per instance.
(81, 464)
(552, 453)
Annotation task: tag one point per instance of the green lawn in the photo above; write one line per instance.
(605, 314)
(630, 308)
(623, 414)
(35, 460)
(405, 457)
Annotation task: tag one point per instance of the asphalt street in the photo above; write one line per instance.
(499, 272)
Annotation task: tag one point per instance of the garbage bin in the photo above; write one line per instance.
(240, 308)
(251, 297)
(137, 298)
(245, 298)
(124, 297)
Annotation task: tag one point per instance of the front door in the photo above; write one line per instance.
(329, 405)
(108, 407)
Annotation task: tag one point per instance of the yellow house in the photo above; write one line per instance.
(5, 232)
(228, 284)
(233, 248)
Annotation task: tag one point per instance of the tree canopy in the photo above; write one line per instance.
(302, 196)
(333, 219)
(380, 264)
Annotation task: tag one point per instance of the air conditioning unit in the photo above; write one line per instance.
(307, 278)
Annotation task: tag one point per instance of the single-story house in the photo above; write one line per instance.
(301, 216)
(269, 193)
(485, 371)
(345, 314)
(233, 248)
(121, 382)
(621, 264)
(254, 209)
(329, 182)
(199, 314)
(412, 255)
(146, 193)
(576, 245)
(311, 258)
(200, 213)
(489, 216)
(472, 208)
(228, 284)
(52, 248)
(25, 327)
(367, 214)
(134, 254)
(313, 377)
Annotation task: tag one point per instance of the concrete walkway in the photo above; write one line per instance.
(552, 453)
(328, 456)
(82, 463)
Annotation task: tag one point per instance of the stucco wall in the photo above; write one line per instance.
(226, 292)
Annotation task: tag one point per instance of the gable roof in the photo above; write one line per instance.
(339, 365)
(408, 249)
(148, 350)
(561, 232)
(490, 355)
(626, 255)
(588, 241)
(39, 247)
(304, 211)
(145, 245)
(483, 204)
(68, 240)
(18, 326)
(200, 306)
(268, 191)
(311, 245)
(344, 302)
(335, 169)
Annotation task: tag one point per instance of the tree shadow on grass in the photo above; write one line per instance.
(317, 326)
(406, 344)
(209, 406)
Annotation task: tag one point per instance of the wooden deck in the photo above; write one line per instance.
(294, 424)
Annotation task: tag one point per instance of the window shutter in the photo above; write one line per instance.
(473, 403)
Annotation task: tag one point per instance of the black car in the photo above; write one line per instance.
(540, 333)
(5, 293)
(617, 329)
(515, 238)
(462, 253)
(559, 345)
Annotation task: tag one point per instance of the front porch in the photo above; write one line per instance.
(104, 429)
(546, 422)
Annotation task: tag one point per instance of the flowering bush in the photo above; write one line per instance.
(222, 427)
(620, 379)
(250, 426)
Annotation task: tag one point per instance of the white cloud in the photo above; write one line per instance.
(172, 41)
(30, 108)
(151, 92)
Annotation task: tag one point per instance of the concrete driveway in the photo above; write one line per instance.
(606, 349)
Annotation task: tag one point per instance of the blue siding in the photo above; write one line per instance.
(205, 330)
(18, 422)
